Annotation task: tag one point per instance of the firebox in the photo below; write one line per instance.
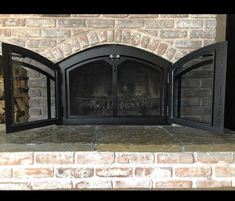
(115, 84)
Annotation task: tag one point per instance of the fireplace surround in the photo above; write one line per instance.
(115, 84)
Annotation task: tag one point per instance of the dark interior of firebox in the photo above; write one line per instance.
(138, 90)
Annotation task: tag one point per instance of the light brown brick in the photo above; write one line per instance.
(224, 171)
(173, 184)
(203, 16)
(173, 34)
(94, 157)
(83, 40)
(170, 52)
(210, 24)
(137, 158)
(93, 184)
(143, 16)
(92, 37)
(65, 49)
(41, 43)
(54, 158)
(175, 158)
(22, 158)
(37, 83)
(150, 32)
(174, 16)
(71, 23)
(56, 33)
(126, 37)
(17, 41)
(56, 53)
(132, 183)
(193, 172)
(74, 172)
(5, 32)
(129, 23)
(202, 34)
(114, 172)
(159, 24)
(214, 157)
(186, 44)
(74, 44)
(145, 41)
(213, 184)
(152, 45)
(189, 24)
(86, 15)
(102, 35)
(13, 22)
(110, 35)
(15, 186)
(135, 39)
(31, 22)
(5, 172)
(26, 32)
(100, 23)
(160, 172)
(33, 172)
(114, 15)
(52, 185)
(161, 48)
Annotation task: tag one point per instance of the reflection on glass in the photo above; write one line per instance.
(139, 90)
(91, 89)
(30, 90)
(53, 105)
(193, 89)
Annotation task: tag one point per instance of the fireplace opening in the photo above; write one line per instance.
(115, 85)
(91, 90)
(136, 92)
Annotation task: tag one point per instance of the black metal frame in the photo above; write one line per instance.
(8, 51)
(104, 52)
(219, 81)
(125, 53)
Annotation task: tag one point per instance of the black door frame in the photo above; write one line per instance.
(229, 120)
(8, 50)
(219, 83)
(104, 52)
(132, 53)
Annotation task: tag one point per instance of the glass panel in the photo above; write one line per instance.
(193, 89)
(53, 105)
(18, 58)
(139, 90)
(91, 89)
(30, 97)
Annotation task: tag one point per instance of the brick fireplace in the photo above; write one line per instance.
(60, 38)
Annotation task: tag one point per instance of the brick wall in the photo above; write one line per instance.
(59, 36)
(116, 170)
(180, 33)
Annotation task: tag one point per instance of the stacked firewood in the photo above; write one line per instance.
(20, 95)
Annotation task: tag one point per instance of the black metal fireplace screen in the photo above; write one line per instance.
(115, 84)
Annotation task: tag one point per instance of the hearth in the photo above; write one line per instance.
(115, 84)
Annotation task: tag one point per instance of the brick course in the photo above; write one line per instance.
(39, 32)
(115, 170)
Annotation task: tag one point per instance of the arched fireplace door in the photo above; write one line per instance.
(115, 85)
